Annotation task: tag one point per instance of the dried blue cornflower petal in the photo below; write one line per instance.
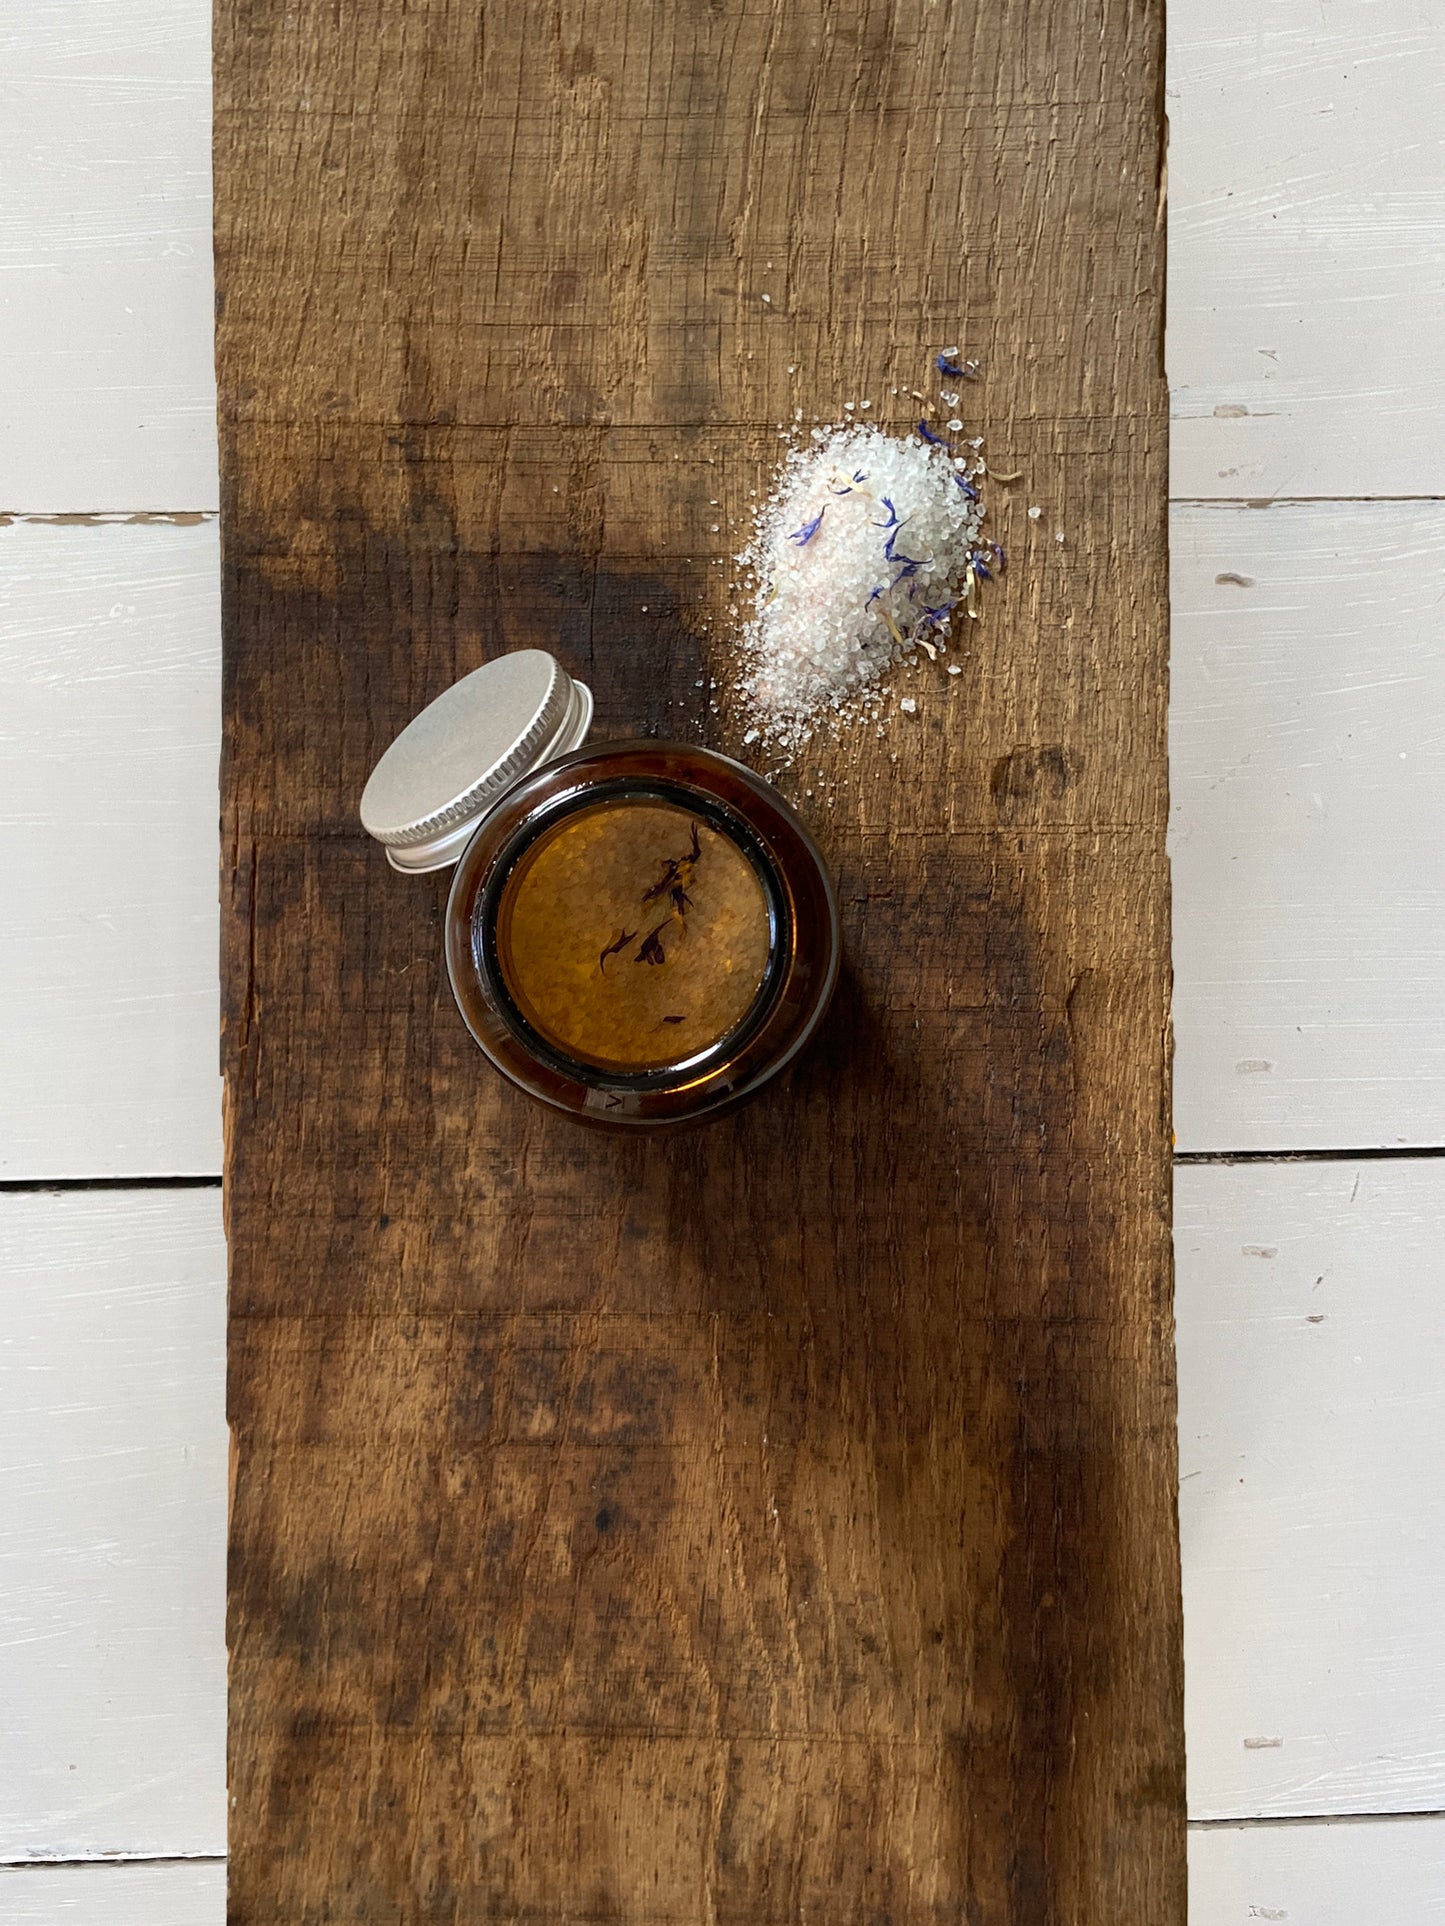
(1000, 555)
(907, 567)
(802, 536)
(838, 491)
(928, 435)
(888, 551)
(874, 596)
(967, 486)
(892, 521)
(960, 370)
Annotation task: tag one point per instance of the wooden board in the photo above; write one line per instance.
(1306, 293)
(105, 144)
(123, 109)
(112, 1492)
(1311, 1366)
(178, 1894)
(1387, 1871)
(105, 259)
(779, 1520)
(1305, 766)
(109, 733)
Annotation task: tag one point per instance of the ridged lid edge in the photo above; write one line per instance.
(524, 755)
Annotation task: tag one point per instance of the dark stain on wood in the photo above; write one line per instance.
(775, 1521)
(1025, 771)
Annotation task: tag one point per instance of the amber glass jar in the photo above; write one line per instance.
(640, 934)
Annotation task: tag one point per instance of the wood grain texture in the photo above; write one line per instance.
(1388, 1871)
(775, 1522)
(109, 737)
(112, 1496)
(1311, 1361)
(178, 1894)
(105, 260)
(1306, 767)
(1306, 293)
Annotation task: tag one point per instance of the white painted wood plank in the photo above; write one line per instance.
(112, 1523)
(1308, 766)
(107, 394)
(1311, 1408)
(109, 737)
(175, 1894)
(1367, 1872)
(1306, 247)
(1370, 1872)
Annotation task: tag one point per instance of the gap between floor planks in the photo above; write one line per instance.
(115, 1859)
(1183, 1159)
(1275, 1821)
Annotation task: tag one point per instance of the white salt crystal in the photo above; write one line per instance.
(1034, 514)
(859, 555)
(908, 706)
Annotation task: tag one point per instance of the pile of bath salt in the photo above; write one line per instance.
(867, 550)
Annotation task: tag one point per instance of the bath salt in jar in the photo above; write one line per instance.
(641, 933)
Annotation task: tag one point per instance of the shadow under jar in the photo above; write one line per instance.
(639, 934)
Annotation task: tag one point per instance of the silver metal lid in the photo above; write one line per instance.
(454, 761)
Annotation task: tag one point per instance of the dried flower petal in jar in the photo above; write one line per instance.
(635, 933)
